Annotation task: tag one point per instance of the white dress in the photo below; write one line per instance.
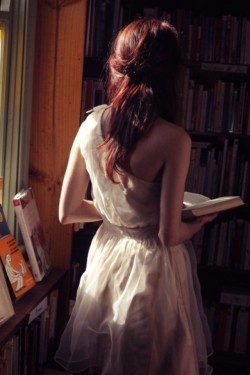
(138, 309)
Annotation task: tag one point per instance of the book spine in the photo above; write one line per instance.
(52, 323)
(38, 310)
(234, 325)
(229, 322)
(246, 244)
(212, 244)
(241, 332)
(43, 338)
(221, 328)
(221, 244)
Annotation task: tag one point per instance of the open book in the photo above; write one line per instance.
(199, 205)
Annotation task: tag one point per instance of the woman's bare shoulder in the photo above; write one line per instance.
(169, 128)
(169, 134)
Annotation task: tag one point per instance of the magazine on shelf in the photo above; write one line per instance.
(31, 228)
(6, 305)
(196, 205)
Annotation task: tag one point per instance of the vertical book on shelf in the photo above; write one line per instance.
(32, 232)
(6, 305)
(16, 269)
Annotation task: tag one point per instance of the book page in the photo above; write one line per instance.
(193, 198)
(212, 202)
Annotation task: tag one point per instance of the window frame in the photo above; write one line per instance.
(4, 73)
(18, 103)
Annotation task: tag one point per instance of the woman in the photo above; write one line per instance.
(138, 308)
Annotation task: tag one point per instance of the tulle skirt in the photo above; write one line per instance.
(138, 309)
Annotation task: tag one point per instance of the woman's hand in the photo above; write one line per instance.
(206, 218)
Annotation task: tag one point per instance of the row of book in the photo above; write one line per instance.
(93, 94)
(219, 38)
(20, 269)
(223, 107)
(29, 349)
(217, 170)
(103, 22)
(214, 106)
(224, 243)
(229, 321)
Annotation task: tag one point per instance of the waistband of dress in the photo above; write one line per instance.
(146, 232)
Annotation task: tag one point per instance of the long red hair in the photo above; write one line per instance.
(141, 75)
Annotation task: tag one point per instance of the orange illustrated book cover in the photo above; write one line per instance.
(17, 270)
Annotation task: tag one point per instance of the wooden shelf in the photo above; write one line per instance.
(212, 280)
(224, 274)
(28, 302)
(229, 360)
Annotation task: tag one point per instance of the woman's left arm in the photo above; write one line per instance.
(73, 208)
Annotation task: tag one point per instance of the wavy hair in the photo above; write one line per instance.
(140, 85)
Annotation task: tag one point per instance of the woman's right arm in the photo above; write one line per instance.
(73, 208)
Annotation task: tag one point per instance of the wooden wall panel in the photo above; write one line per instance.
(58, 69)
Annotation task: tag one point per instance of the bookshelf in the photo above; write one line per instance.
(24, 306)
(214, 109)
(27, 317)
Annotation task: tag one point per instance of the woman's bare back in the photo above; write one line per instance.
(153, 150)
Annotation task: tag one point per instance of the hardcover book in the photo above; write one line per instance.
(196, 205)
(31, 228)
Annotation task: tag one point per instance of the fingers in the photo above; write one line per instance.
(208, 218)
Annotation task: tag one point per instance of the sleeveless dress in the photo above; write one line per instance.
(138, 308)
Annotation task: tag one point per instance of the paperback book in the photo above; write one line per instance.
(196, 205)
(6, 306)
(31, 228)
(17, 270)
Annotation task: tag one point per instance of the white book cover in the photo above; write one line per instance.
(31, 228)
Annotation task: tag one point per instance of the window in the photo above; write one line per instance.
(4, 31)
(17, 25)
(3, 74)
